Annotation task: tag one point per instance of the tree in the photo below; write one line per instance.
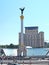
(11, 45)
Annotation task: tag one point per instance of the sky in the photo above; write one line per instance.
(36, 13)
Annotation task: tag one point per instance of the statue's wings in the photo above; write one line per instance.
(22, 9)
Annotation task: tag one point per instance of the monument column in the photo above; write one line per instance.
(22, 17)
(22, 49)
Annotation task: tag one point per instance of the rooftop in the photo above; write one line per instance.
(31, 28)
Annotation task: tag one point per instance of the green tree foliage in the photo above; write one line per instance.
(9, 46)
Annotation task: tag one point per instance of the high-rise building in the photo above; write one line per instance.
(41, 39)
(32, 38)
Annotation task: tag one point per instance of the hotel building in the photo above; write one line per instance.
(32, 38)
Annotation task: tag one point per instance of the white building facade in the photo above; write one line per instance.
(32, 38)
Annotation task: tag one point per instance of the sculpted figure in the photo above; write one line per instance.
(22, 9)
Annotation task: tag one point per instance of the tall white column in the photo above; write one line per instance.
(22, 32)
(22, 49)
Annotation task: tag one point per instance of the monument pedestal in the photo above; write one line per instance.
(22, 51)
